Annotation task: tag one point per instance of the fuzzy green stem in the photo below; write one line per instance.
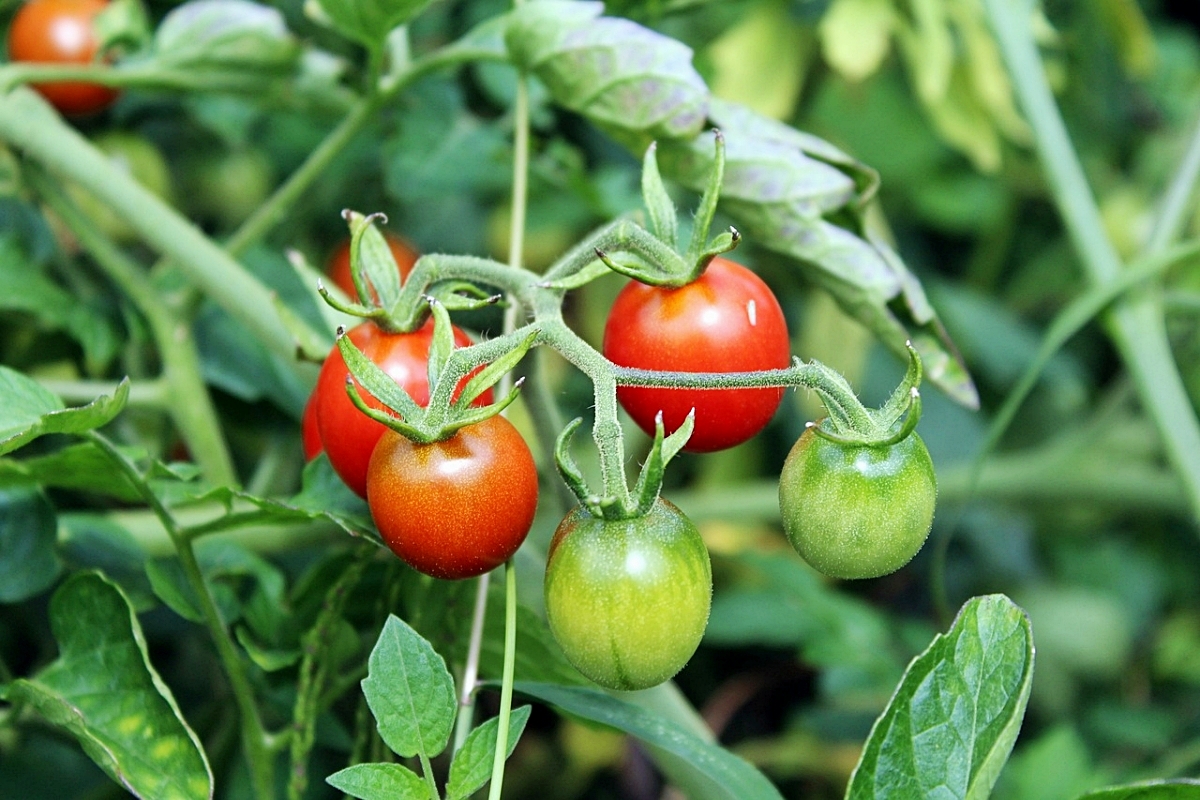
(191, 407)
(255, 742)
(506, 686)
(1136, 324)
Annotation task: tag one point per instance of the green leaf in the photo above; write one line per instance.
(368, 22)
(235, 34)
(80, 467)
(955, 715)
(714, 771)
(614, 71)
(410, 691)
(28, 562)
(1182, 789)
(104, 691)
(380, 782)
(25, 289)
(472, 765)
(28, 411)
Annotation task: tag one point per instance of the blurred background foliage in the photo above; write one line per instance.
(1076, 516)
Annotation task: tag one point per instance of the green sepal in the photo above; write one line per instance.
(490, 375)
(378, 383)
(464, 296)
(708, 205)
(597, 269)
(372, 265)
(354, 309)
(477, 415)
(664, 222)
(901, 399)
(665, 267)
(663, 449)
(571, 474)
(442, 344)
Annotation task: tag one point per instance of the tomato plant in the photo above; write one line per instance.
(454, 508)
(347, 435)
(727, 320)
(142, 160)
(857, 511)
(338, 266)
(628, 599)
(61, 32)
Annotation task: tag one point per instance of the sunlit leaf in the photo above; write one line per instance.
(28, 411)
(472, 765)
(104, 691)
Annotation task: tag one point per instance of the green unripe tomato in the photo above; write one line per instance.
(856, 511)
(628, 600)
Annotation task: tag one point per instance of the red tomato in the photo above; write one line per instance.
(310, 434)
(60, 32)
(457, 508)
(349, 435)
(727, 320)
(339, 262)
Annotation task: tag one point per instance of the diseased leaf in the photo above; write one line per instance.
(104, 691)
(711, 771)
(380, 782)
(410, 691)
(472, 765)
(28, 411)
(28, 561)
(955, 715)
(614, 71)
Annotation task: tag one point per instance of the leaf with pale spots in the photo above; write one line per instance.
(104, 691)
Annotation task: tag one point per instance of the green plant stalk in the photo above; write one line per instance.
(1177, 200)
(255, 741)
(191, 407)
(1136, 324)
(506, 686)
(470, 677)
(151, 393)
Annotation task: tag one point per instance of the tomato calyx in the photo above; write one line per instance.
(851, 423)
(449, 409)
(649, 484)
(377, 281)
(664, 263)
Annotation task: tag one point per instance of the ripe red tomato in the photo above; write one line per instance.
(60, 32)
(339, 262)
(348, 435)
(310, 434)
(456, 508)
(727, 320)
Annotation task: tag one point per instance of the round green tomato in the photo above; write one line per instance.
(628, 600)
(855, 511)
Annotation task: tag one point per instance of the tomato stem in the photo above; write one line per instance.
(506, 686)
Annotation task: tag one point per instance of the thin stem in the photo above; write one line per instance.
(150, 393)
(255, 742)
(191, 408)
(1177, 200)
(427, 774)
(470, 678)
(1136, 324)
(506, 686)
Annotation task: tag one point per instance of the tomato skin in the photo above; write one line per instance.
(60, 32)
(310, 433)
(339, 262)
(456, 508)
(727, 320)
(857, 511)
(628, 600)
(349, 435)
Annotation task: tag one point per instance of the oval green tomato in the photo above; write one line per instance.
(856, 511)
(628, 600)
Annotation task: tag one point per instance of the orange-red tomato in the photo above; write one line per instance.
(727, 320)
(310, 434)
(339, 262)
(349, 435)
(61, 32)
(456, 508)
